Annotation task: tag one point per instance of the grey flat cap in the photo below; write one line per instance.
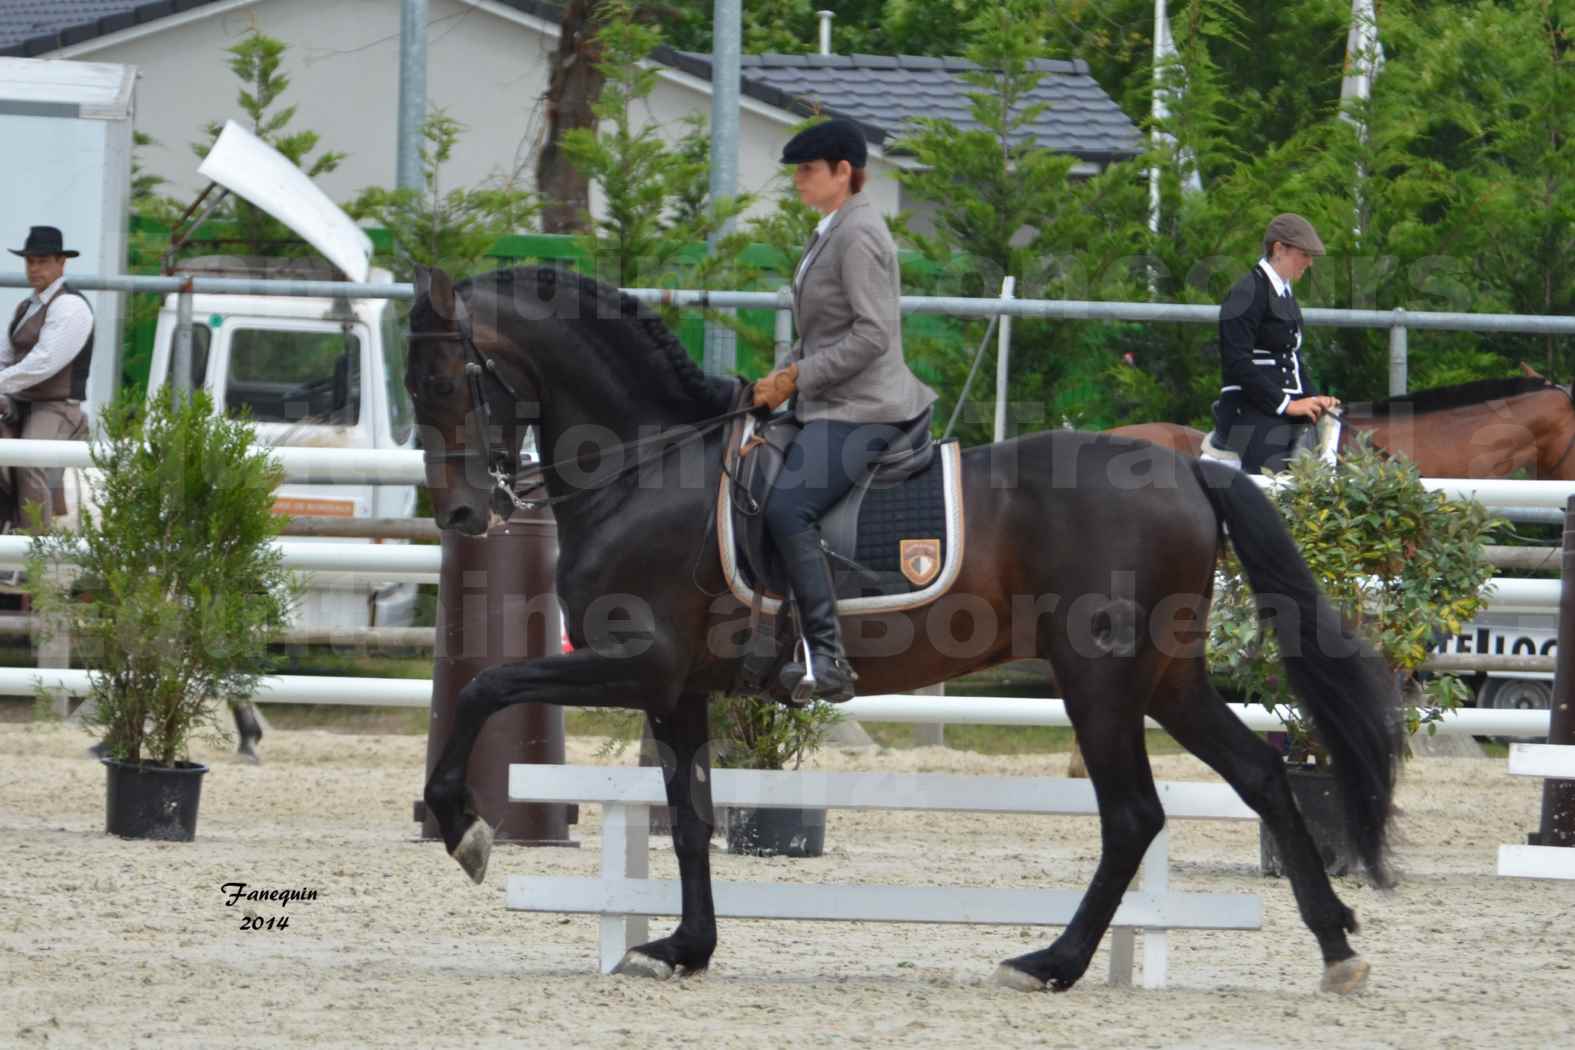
(1294, 230)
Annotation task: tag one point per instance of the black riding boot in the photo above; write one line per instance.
(816, 598)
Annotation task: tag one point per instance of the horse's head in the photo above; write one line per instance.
(466, 404)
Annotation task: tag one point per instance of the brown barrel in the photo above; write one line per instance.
(496, 604)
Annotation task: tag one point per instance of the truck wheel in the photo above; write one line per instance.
(1525, 694)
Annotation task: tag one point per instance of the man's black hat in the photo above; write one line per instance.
(44, 240)
(832, 141)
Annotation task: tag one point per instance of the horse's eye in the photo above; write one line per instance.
(439, 386)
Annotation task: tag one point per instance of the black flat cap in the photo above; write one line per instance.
(832, 141)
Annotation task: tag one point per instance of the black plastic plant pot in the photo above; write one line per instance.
(1317, 795)
(776, 832)
(152, 802)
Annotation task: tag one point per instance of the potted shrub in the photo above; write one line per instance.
(749, 733)
(177, 590)
(1403, 564)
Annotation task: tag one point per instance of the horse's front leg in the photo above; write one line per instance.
(578, 679)
(681, 738)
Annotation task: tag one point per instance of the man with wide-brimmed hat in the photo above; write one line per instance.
(45, 352)
(1267, 399)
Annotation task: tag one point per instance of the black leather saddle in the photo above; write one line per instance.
(901, 498)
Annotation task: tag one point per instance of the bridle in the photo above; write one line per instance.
(478, 368)
(509, 483)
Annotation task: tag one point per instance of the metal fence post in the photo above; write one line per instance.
(1003, 360)
(783, 336)
(1397, 354)
(180, 359)
(408, 174)
(1558, 796)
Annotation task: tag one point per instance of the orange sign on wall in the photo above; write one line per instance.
(297, 507)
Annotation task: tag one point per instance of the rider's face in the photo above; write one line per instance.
(1292, 262)
(821, 187)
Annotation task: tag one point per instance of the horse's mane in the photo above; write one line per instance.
(1460, 395)
(594, 302)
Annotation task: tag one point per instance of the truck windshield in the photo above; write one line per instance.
(294, 377)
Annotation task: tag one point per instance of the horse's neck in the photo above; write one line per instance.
(674, 479)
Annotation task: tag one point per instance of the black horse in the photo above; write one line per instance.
(1095, 553)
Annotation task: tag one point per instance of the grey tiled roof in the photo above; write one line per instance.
(32, 27)
(885, 92)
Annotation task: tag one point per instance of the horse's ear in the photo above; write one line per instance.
(1531, 373)
(437, 287)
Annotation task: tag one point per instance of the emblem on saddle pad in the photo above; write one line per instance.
(920, 560)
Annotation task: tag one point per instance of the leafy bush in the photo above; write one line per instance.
(178, 586)
(749, 733)
(1403, 565)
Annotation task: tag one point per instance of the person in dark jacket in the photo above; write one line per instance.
(1267, 398)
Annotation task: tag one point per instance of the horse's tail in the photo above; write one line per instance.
(1340, 678)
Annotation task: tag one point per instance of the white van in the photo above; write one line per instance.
(321, 372)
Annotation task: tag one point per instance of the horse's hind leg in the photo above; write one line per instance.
(1197, 717)
(1104, 699)
(681, 736)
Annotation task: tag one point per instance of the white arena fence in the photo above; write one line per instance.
(420, 563)
(625, 898)
(895, 707)
(1555, 761)
(334, 563)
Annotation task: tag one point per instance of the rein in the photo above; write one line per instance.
(508, 484)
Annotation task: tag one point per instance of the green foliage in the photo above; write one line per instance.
(654, 204)
(453, 229)
(1403, 564)
(179, 586)
(257, 61)
(746, 732)
(1007, 206)
(757, 734)
(655, 193)
(783, 26)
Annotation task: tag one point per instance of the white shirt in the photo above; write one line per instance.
(1280, 287)
(820, 231)
(66, 331)
(1283, 289)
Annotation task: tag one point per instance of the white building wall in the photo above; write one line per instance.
(343, 63)
(487, 66)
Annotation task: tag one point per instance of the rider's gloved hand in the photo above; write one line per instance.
(7, 408)
(777, 387)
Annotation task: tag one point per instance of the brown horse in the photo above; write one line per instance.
(1092, 552)
(1491, 428)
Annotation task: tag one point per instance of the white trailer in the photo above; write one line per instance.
(66, 129)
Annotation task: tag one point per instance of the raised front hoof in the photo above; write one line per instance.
(247, 753)
(1346, 977)
(474, 850)
(1008, 976)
